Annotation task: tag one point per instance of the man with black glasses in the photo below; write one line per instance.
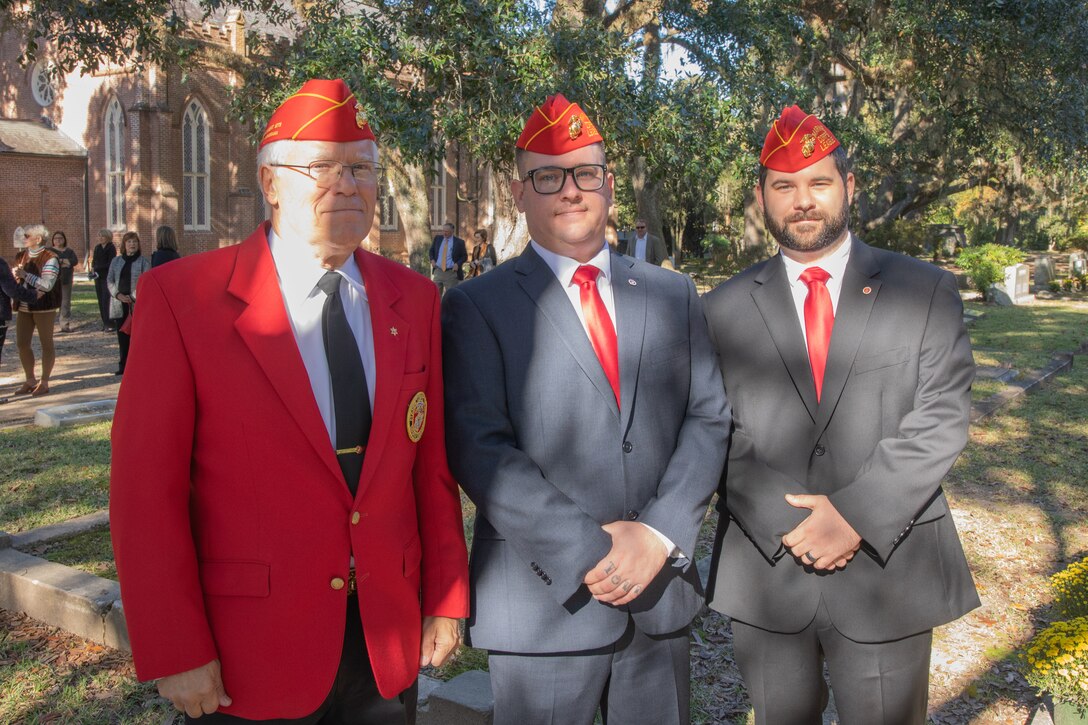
(589, 427)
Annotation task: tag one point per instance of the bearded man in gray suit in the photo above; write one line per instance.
(587, 421)
(849, 370)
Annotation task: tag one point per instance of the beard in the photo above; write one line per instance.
(831, 231)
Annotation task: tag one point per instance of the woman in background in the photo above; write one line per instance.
(124, 273)
(166, 246)
(68, 263)
(38, 268)
(483, 254)
(102, 256)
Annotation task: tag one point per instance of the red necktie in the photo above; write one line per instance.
(601, 332)
(819, 319)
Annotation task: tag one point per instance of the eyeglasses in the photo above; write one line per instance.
(640, 226)
(550, 179)
(327, 173)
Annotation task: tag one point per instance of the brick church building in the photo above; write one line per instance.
(124, 150)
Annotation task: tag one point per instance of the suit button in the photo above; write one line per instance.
(355, 518)
(337, 583)
(632, 515)
(820, 450)
(627, 447)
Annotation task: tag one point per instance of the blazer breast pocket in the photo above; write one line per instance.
(881, 360)
(666, 353)
(415, 380)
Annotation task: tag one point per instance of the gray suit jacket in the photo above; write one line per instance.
(655, 249)
(536, 440)
(891, 422)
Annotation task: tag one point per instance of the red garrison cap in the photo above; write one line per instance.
(557, 127)
(796, 140)
(320, 111)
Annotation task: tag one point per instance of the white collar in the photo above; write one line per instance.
(565, 267)
(299, 270)
(834, 264)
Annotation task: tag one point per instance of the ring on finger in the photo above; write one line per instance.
(809, 558)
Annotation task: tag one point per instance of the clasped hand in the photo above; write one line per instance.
(636, 557)
(824, 540)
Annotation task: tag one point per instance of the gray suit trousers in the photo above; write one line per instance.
(638, 680)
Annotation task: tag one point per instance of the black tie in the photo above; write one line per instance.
(350, 399)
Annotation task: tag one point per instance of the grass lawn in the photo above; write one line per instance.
(1025, 337)
(52, 474)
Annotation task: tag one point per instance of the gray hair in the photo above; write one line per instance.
(106, 233)
(36, 230)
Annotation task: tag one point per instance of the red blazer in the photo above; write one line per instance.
(231, 521)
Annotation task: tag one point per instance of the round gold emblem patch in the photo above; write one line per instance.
(417, 417)
(574, 128)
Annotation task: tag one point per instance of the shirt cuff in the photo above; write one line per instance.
(674, 550)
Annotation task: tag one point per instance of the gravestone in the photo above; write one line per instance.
(1077, 264)
(1013, 289)
(1044, 272)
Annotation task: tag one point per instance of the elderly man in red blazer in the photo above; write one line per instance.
(287, 533)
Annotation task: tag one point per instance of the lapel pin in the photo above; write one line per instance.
(393, 330)
(632, 282)
(866, 290)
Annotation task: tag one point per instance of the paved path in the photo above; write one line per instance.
(86, 361)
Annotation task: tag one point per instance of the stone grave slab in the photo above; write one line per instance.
(75, 413)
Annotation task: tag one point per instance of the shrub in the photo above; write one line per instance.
(1070, 587)
(986, 264)
(1056, 662)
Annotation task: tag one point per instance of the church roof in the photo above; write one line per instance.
(34, 137)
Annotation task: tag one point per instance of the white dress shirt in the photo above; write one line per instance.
(298, 271)
(564, 268)
(640, 248)
(834, 264)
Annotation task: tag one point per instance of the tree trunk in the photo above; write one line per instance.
(410, 187)
(755, 232)
(511, 234)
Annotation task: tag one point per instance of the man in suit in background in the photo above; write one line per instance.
(644, 246)
(589, 427)
(287, 532)
(849, 371)
(448, 253)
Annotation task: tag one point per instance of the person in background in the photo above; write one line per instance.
(483, 254)
(166, 246)
(38, 268)
(101, 257)
(10, 290)
(644, 246)
(69, 260)
(123, 275)
(448, 256)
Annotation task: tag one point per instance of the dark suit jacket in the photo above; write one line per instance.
(655, 249)
(460, 253)
(891, 422)
(231, 522)
(12, 290)
(537, 441)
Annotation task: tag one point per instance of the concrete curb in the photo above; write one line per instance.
(1035, 381)
(63, 530)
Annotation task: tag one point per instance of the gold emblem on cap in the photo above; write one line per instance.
(417, 417)
(360, 115)
(574, 128)
(808, 145)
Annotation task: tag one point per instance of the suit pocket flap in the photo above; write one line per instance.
(234, 578)
(880, 360)
(413, 554)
